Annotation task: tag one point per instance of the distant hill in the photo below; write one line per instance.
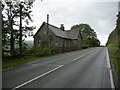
(29, 43)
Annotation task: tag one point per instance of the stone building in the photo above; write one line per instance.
(58, 38)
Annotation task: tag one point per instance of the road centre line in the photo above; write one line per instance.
(42, 75)
(77, 58)
(82, 56)
(37, 77)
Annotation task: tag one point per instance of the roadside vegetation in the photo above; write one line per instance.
(113, 45)
(89, 36)
(114, 56)
(29, 54)
(14, 32)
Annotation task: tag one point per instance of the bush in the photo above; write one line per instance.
(114, 55)
(42, 51)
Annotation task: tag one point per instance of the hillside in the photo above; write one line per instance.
(29, 43)
(113, 45)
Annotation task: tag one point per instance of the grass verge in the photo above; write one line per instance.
(114, 56)
(15, 62)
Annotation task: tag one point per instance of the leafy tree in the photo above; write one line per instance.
(13, 12)
(88, 34)
(118, 23)
(5, 32)
(25, 10)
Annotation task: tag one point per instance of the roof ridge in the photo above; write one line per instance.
(69, 34)
(53, 25)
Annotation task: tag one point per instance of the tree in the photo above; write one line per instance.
(88, 34)
(14, 28)
(5, 32)
(10, 20)
(25, 10)
(118, 23)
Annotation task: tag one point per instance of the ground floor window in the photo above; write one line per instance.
(38, 41)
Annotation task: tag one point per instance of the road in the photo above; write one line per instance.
(77, 69)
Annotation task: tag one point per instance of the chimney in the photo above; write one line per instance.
(47, 18)
(62, 27)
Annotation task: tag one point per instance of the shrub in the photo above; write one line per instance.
(42, 51)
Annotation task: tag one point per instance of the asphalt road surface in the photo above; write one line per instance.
(77, 69)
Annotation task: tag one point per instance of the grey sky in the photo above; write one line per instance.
(101, 16)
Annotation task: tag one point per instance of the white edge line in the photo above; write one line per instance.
(37, 77)
(110, 72)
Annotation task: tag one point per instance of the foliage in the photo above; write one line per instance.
(29, 54)
(88, 34)
(113, 45)
(11, 24)
(118, 24)
(94, 42)
(115, 55)
(16, 61)
(43, 51)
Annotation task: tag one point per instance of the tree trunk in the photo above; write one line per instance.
(11, 40)
(20, 39)
(11, 34)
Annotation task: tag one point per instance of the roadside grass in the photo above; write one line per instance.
(114, 56)
(15, 62)
(34, 54)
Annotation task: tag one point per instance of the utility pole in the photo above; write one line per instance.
(20, 39)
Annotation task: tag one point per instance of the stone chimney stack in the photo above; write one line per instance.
(62, 27)
(47, 18)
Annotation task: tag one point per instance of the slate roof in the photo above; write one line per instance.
(72, 34)
(68, 34)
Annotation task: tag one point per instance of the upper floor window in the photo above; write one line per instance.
(44, 32)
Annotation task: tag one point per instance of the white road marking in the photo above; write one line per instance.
(77, 58)
(110, 72)
(37, 77)
(44, 73)
(82, 56)
(91, 51)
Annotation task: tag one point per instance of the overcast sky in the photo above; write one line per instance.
(101, 16)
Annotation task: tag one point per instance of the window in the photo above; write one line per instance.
(44, 32)
(79, 38)
(50, 40)
(65, 44)
(38, 41)
(60, 45)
